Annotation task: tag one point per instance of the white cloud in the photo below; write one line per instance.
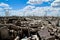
(37, 1)
(56, 3)
(3, 8)
(37, 11)
(32, 10)
(4, 5)
(27, 10)
(29, 7)
(23, 12)
(49, 10)
(41, 11)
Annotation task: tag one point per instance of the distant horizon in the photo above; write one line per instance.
(29, 16)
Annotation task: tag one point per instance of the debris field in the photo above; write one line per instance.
(29, 28)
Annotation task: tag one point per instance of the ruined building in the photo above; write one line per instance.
(29, 28)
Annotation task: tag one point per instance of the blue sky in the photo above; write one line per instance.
(15, 4)
(20, 6)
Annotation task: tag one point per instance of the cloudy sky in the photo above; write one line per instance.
(30, 7)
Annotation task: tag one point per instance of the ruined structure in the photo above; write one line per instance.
(31, 28)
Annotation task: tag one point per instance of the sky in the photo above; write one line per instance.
(30, 7)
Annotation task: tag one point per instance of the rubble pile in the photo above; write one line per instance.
(29, 28)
